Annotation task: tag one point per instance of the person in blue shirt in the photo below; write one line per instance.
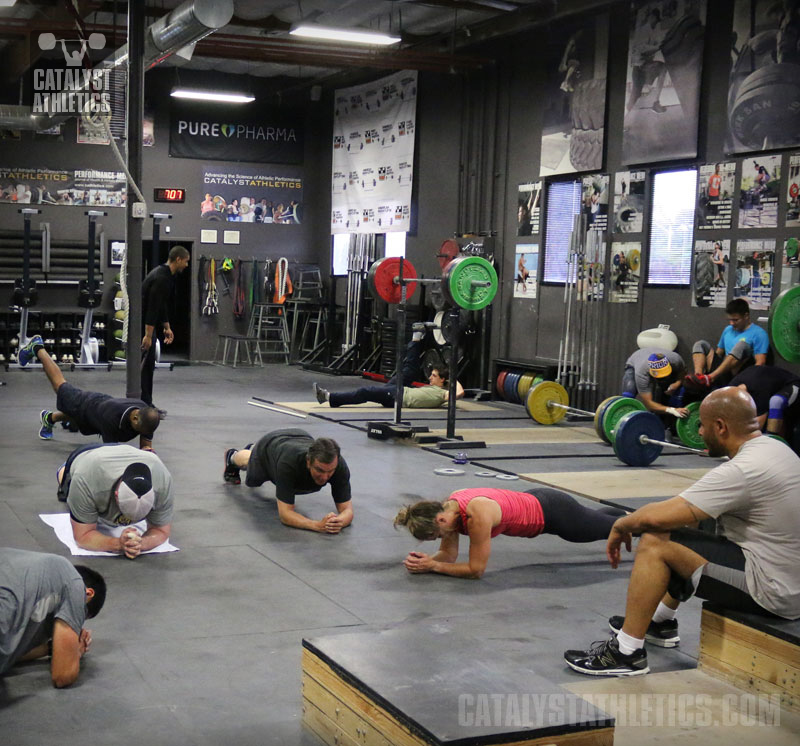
(742, 344)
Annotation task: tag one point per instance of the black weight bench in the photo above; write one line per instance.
(756, 653)
(411, 686)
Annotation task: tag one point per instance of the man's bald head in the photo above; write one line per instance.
(728, 418)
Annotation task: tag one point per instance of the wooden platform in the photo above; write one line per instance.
(408, 687)
(621, 481)
(757, 654)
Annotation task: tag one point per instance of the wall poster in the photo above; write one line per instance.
(373, 155)
(709, 283)
(529, 208)
(665, 63)
(715, 185)
(755, 271)
(44, 186)
(594, 201)
(574, 97)
(527, 266)
(252, 195)
(790, 268)
(626, 260)
(762, 86)
(793, 192)
(759, 192)
(628, 201)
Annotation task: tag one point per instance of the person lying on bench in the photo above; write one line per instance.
(483, 513)
(751, 567)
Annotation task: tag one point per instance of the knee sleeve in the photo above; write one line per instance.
(777, 404)
(701, 347)
(742, 350)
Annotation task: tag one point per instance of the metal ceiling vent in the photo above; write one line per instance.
(186, 25)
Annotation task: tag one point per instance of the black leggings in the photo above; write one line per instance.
(565, 517)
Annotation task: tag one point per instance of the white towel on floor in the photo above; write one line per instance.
(59, 522)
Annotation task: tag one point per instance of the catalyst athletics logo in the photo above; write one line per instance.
(73, 89)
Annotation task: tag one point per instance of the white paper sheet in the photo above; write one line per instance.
(59, 522)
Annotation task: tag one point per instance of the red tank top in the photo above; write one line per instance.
(521, 513)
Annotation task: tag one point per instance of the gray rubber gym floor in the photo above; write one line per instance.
(203, 646)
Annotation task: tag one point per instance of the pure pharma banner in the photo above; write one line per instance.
(373, 155)
(199, 131)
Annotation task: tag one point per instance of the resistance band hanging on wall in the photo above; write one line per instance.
(211, 306)
(283, 283)
(239, 283)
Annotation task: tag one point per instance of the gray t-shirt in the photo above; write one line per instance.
(756, 497)
(94, 473)
(35, 590)
(645, 383)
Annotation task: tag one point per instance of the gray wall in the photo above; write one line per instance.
(478, 137)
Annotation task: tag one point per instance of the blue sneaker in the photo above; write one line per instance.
(46, 430)
(26, 353)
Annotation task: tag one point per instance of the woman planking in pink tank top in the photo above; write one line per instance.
(483, 513)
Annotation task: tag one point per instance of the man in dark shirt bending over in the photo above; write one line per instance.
(91, 413)
(297, 464)
(157, 290)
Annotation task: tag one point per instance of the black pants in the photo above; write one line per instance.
(721, 552)
(147, 369)
(63, 487)
(565, 517)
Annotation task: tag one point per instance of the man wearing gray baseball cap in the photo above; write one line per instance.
(111, 485)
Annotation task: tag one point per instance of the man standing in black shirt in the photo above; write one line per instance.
(297, 465)
(157, 291)
(90, 412)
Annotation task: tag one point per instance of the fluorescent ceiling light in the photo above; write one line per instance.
(231, 98)
(314, 31)
(7, 3)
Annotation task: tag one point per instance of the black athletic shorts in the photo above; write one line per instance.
(723, 580)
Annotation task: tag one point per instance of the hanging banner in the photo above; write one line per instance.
(715, 183)
(574, 96)
(665, 62)
(197, 130)
(711, 260)
(755, 271)
(763, 95)
(250, 195)
(373, 155)
(759, 192)
(44, 186)
(628, 201)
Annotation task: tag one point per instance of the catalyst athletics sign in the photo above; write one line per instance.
(205, 132)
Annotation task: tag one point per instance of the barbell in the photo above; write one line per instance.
(469, 282)
(548, 403)
(639, 439)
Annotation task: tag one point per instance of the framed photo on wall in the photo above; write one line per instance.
(116, 253)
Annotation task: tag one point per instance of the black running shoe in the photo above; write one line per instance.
(231, 473)
(605, 659)
(662, 634)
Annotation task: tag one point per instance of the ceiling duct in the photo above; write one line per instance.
(187, 24)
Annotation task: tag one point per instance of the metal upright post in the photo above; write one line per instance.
(399, 356)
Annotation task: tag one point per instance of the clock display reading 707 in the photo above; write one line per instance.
(169, 194)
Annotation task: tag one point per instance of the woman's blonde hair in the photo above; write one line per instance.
(420, 519)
